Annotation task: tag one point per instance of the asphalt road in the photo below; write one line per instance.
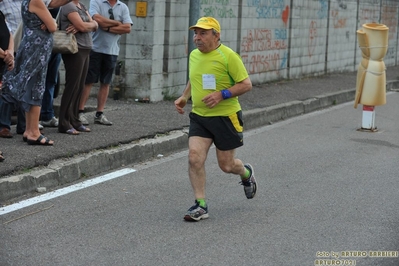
(327, 193)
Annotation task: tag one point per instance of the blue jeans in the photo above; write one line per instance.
(5, 117)
(47, 110)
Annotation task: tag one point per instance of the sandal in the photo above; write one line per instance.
(25, 139)
(39, 141)
(82, 128)
(72, 131)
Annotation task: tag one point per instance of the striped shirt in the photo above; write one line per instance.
(12, 11)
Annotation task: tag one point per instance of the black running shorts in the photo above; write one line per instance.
(225, 131)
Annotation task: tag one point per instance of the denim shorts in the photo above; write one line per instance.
(101, 67)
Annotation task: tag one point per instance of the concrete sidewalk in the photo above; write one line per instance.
(142, 131)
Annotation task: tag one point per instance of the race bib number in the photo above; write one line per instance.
(208, 82)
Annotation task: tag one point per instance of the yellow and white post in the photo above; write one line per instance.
(368, 118)
(371, 76)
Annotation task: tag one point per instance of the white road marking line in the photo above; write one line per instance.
(66, 190)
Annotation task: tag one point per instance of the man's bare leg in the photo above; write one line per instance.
(198, 152)
(102, 97)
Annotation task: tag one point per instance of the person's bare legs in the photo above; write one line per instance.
(198, 152)
(102, 97)
(32, 131)
(228, 163)
(231, 165)
(85, 96)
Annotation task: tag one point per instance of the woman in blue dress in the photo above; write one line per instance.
(24, 85)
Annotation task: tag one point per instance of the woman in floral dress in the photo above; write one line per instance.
(24, 85)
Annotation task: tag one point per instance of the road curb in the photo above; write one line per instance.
(63, 171)
(265, 116)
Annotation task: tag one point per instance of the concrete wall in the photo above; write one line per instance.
(277, 39)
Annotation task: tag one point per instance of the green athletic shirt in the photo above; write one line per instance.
(216, 70)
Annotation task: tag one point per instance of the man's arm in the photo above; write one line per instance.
(121, 29)
(241, 87)
(111, 25)
(125, 25)
(182, 100)
(104, 22)
(212, 99)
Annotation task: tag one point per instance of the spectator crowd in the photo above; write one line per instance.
(29, 70)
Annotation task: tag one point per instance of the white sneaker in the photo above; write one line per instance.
(83, 119)
(41, 127)
(102, 120)
(53, 122)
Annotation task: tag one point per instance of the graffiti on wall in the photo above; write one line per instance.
(265, 62)
(270, 9)
(264, 50)
(338, 22)
(342, 4)
(312, 42)
(217, 8)
(389, 17)
(391, 52)
(264, 39)
(367, 15)
(285, 15)
(323, 11)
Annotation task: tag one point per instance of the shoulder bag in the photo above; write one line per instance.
(64, 43)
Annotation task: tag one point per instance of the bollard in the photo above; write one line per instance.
(368, 118)
(371, 76)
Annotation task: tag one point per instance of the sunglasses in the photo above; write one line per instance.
(111, 13)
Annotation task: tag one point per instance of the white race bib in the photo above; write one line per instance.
(208, 82)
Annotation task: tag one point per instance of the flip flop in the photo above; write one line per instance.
(82, 128)
(38, 141)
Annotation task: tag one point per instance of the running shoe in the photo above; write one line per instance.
(249, 183)
(102, 120)
(53, 122)
(196, 213)
(83, 119)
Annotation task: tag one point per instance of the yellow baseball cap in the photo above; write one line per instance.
(207, 23)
